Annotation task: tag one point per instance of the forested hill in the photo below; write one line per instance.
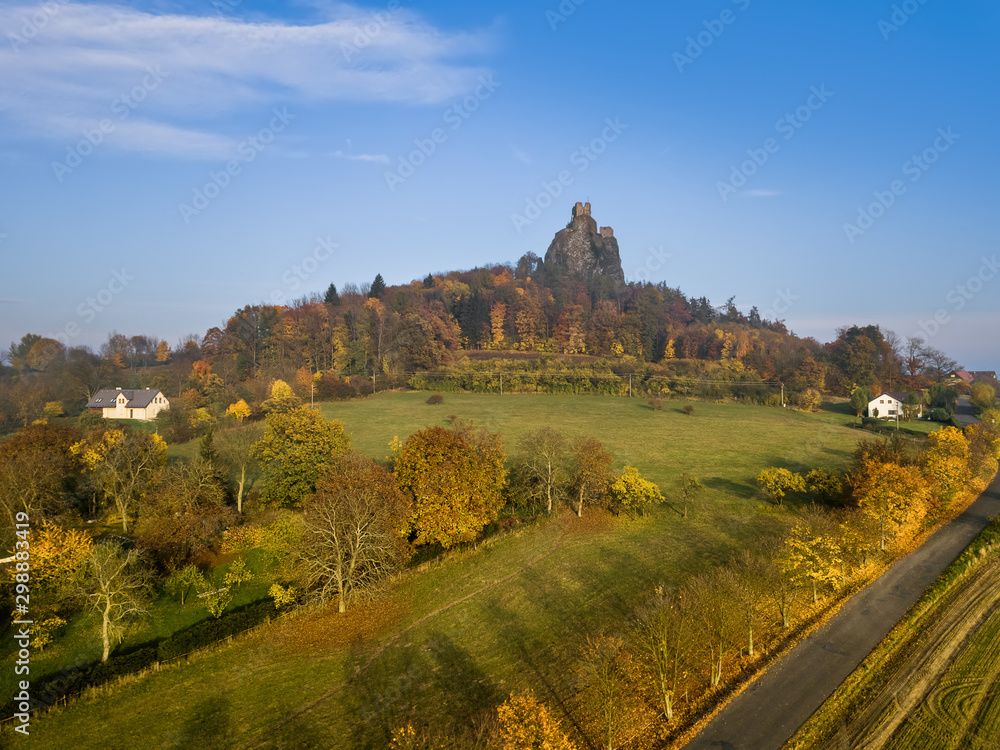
(356, 338)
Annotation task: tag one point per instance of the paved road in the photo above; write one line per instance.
(769, 712)
(963, 412)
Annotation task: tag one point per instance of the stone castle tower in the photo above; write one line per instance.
(582, 249)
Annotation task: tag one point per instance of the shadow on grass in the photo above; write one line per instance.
(434, 683)
(728, 485)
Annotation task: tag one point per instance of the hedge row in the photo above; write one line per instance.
(51, 688)
(207, 632)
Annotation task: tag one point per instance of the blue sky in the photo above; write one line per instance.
(164, 163)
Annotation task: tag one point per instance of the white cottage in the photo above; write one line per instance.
(889, 405)
(142, 404)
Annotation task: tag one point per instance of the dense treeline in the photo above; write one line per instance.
(435, 332)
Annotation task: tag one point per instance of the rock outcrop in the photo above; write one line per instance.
(584, 250)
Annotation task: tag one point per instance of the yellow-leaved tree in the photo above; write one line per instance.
(946, 462)
(527, 724)
(894, 497)
(123, 465)
(812, 559)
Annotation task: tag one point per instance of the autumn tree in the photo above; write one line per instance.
(454, 479)
(632, 493)
(162, 352)
(239, 410)
(297, 445)
(893, 496)
(58, 559)
(590, 472)
(355, 530)
(36, 471)
(778, 482)
(236, 454)
(605, 675)
(825, 486)
(663, 631)
(527, 724)
(544, 455)
(181, 580)
(812, 559)
(117, 587)
(183, 512)
(715, 620)
(688, 487)
(123, 465)
(782, 592)
(281, 398)
(745, 578)
(946, 462)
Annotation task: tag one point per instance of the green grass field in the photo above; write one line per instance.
(449, 657)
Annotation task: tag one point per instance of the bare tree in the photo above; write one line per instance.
(545, 452)
(354, 534)
(745, 579)
(663, 629)
(937, 363)
(117, 586)
(715, 619)
(689, 487)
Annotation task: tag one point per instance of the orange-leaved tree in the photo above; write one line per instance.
(454, 478)
(591, 475)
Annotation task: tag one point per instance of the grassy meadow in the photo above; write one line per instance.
(451, 638)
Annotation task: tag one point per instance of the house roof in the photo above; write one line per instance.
(968, 377)
(987, 374)
(137, 399)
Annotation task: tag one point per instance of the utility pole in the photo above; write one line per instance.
(782, 395)
(630, 385)
(501, 383)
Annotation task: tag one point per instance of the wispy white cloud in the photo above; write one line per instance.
(78, 64)
(375, 158)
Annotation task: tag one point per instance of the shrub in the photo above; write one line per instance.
(940, 414)
(870, 422)
(436, 398)
(656, 404)
(689, 409)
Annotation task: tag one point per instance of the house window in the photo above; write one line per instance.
(881, 400)
(891, 412)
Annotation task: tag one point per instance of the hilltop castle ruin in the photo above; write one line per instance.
(583, 249)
